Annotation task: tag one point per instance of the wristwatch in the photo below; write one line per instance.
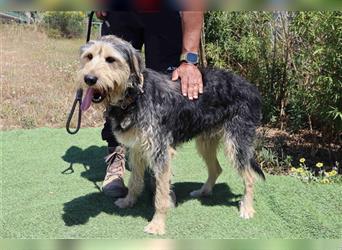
(190, 57)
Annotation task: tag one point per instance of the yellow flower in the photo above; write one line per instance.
(325, 181)
(332, 173)
(302, 160)
(300, 170)
(293, 169)
(319, 164)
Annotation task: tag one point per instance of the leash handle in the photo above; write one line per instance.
(90, 21)
(79, 92)
(78, 98)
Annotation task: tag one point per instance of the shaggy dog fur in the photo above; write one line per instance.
(150, 116)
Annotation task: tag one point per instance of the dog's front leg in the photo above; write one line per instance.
(136, 180)
(162, 200)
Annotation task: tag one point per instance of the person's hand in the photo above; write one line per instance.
(101, 14)
(191, 80)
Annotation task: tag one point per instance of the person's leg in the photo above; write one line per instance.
(124, 25)
(163, 47)
(108, 136)
(113, 184)
(163, 40)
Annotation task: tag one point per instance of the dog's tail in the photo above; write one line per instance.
(257, 169)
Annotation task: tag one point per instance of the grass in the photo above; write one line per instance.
(50, 189)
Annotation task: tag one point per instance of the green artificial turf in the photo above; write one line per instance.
(50, 189)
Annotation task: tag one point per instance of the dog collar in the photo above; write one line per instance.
(127, 101)
(123, 112)
(130, 98)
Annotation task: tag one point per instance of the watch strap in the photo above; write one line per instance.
(185, 57)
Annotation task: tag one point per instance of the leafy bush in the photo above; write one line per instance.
(69, 24)
(294, 58)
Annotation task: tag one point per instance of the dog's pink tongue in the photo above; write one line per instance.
(87, 99)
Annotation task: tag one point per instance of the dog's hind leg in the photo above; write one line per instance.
(162, 200)
(238, 140)
(207, 148)
(136, 180)
(246, 204)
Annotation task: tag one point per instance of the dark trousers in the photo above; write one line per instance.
(159, 32)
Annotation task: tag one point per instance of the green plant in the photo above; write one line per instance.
(294, 58)
(270, 160)
(69, 24)
(53, 33)
(268, 157)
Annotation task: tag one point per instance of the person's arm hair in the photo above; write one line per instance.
(192, 22)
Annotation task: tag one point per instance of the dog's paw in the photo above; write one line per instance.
(124, 202)
(156, 228)
(200, 193)
(246, 212)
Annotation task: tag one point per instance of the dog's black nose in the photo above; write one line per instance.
(90, 80)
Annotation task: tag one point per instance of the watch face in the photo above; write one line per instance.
(192, 57)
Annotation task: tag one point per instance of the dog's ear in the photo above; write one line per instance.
(134, 59)
(86, 46)
(137, 66)
(135, 63)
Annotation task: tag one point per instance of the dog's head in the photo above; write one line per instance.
(109, 66)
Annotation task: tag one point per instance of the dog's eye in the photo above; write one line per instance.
(89, 56)
(110, 59)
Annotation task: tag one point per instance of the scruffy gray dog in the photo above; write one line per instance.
(150, 116)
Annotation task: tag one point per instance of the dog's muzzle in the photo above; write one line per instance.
(92, 94)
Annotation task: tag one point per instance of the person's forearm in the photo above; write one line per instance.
(192, 22)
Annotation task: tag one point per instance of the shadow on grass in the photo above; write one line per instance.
(221, 196)
(79, 210)
(92, 159)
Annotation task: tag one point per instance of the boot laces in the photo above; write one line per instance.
(116, 164)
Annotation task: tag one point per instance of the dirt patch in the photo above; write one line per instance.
(307, 144)
(38, 79)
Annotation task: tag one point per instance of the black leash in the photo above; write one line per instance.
(78, 98)
(90, 21)
(79, 92)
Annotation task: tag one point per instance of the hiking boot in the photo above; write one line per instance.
(113, 184)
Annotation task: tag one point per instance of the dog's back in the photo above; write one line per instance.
(225, 97)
